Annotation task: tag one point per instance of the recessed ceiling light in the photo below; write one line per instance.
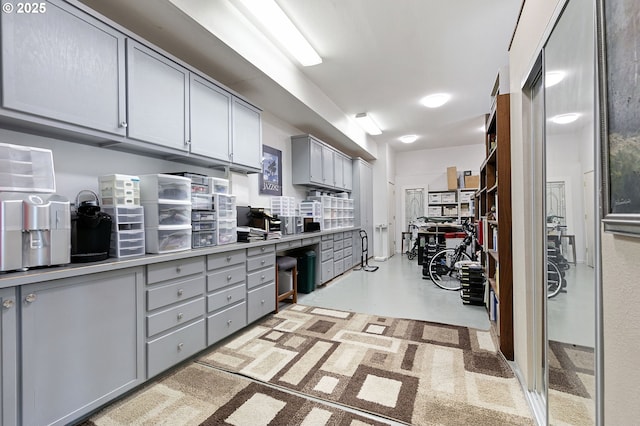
(408, 138)
(551, 78)
(435, 100)
(368, 124)
(565, 118)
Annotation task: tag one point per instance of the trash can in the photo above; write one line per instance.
(307, 272)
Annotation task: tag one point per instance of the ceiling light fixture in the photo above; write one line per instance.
(436, 100)
(565, 118)
(408, 138)
(551, 78)
(368, 124)
(284, 31)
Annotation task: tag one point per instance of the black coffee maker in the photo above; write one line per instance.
(90, 230)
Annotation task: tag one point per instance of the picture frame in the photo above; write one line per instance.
(271, 175)
(619, 104)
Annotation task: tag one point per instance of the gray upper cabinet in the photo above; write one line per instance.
(8, 357)
(246, 146)
(64, 65)
(157, 98)
(363, 197)
(210, 109)
(82, 344)
(316, 164)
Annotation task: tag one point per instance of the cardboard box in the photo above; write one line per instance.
(452, 178)
(472, 181)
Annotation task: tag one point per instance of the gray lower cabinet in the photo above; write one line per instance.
(82, 344)
(246, 145)
(8, 357)
(64, 65)
(175, 312)
(210, 119)
(261, 285)
(226, 294)
(157, 98)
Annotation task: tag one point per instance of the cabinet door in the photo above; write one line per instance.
(64, 65)
(327, 166)
(157, 104)
(338, 170)
(8, 356)
(210, 119)
(82, 344)
(347, 168)
(315, 162)
(247, 135)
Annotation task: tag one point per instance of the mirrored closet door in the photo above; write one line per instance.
(570, 215)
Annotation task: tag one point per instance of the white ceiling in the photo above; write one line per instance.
(379, 57)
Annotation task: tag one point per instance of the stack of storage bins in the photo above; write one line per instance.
(167, 212)
(224, 206)
(120, 198)
(311, 210)
(285, 209)
(329, 211)
(203, 221)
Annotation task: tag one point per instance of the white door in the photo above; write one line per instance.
(589, 223)
(391, 214)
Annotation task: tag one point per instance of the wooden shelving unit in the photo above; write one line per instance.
(495, 193)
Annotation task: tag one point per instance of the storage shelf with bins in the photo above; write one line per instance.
(493, 213)
(457, 205)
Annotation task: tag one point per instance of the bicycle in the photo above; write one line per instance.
(446, 265)
(555, 279)
(413, 228)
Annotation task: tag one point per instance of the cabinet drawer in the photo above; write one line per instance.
(326, 245)
(260, 302)
(347, 262)
(347, 251)
(226, 297)
(326, 255)
(337, 245)
(220, 260)
(327, 237)
(172, 317)
(261, 277)
(225, 277)
(347, 241)
(338, 254)
(288, 245)
(167, 351)
(227, 322)
(256, 251)
(258, 262)
(337, 236)
(165, 271)
(310, 241)
(338, 267)
(326, 271)
(159, 296)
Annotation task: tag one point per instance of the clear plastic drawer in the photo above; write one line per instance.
(164, 240)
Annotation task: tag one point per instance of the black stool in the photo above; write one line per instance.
(287, 263)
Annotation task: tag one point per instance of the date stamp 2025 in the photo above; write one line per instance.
(25, 8)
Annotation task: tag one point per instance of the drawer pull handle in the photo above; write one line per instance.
(179, 269)
(262, 278)
(180, 346)
(180, 292)
(30, 298)
(261, 248)
(262, 262)
(229, 297)
(229, 277)
(8, 303)
(229, 322)
(262, 301)
(180, 316)
(228, 258)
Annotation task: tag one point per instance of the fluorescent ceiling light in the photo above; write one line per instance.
(565, 118)
(281, 27)
(408, 138)
(368, 124)
(551, 78)
(435, 100)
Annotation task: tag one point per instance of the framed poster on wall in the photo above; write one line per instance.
(271, 176)
(618, 38)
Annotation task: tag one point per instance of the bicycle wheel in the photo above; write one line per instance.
(443, 271)
(554, 280)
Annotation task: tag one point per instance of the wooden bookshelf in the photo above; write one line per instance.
(495, 192)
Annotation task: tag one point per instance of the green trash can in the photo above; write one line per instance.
(306, 271)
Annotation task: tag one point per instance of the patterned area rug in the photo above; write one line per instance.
(200, 395)
(414, 372)
(571, 384)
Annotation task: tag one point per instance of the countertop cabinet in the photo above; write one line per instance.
(65, 66)
(210, 109)
(157, 98)
(82, 344)
(261, 285)
(8, 357)
(246, 138)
